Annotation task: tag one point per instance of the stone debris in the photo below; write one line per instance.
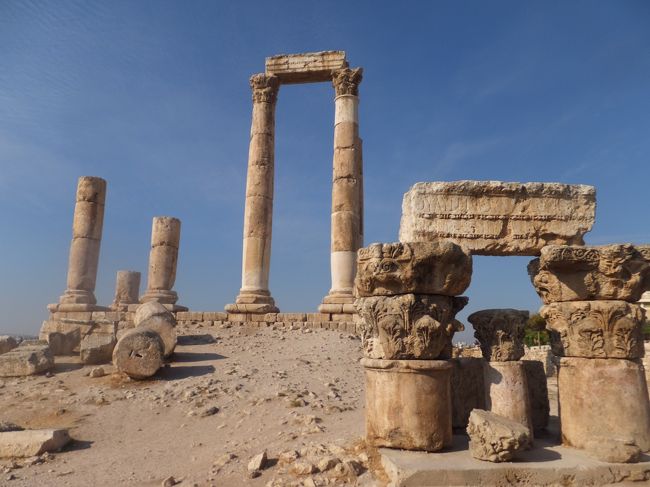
(7, 343)
(97, 348)
(96, 372)
(29, 443)
(258, 462)
(29, 358)
(139, 353)
(62, 338)
(169, 482)
(494, 438)
(9, 426)
(498, 218)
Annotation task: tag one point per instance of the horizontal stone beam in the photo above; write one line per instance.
(308, 67)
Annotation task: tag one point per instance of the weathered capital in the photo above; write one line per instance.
(500, 333)
(346, 81)
(265, 88)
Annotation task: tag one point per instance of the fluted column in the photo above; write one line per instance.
(87, 227)
(347, 192)
(163, 257)
(254, 296)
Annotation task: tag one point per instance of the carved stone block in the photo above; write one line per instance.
(410, 326)
(500, 333)
(578, 273)
(421, 268)
(308, 67)
(494, 438)
(595, 329)
(498, 218)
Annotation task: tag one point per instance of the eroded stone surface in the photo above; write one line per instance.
(164, 327)
(408, 403)
(613, 450)
(537, 394)
(7, 343)
(307, 67)
(467, 389)
(498, 218)
(410, 326)
(127, 289)
(578, 273)
(29, 443)
(139, 353)
(422, 268)
(500, 333)
(604, 329)
(28, 358)
(163, 257)
(603, 399)
(494, 438)
(97, 348)
(506, 391)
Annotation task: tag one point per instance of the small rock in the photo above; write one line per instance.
(258, 462)
(288, 456)
(29, 443)
(253, 474)
(8, 426)
(224, 459)
(494, 438)
(303, 468)
(211, 411)
(97, 372)
(328, 463)
(169, 482)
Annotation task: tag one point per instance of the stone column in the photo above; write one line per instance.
(84, 249)
(347, 192)
(165, 239)
(501, 335)
(127, 289)
(254, 296)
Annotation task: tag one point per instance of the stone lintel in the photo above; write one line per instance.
(308, 67)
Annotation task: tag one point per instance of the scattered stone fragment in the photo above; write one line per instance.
(28, 358)
(613, 451)
(258, 462)
(7, 343)
(211, 411)
(169, 482)
(328, 463)
(302, 467)
(97, 372)
(139, 353)
(494, 438)
(224, 459)
(9, 426)
(29, 443)
(97, 348)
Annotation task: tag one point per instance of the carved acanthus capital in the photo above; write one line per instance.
(595, 329)
(584, 273)
(500, 333)
(265, 88)
(346, 81)
(409, 326)
(419, 267)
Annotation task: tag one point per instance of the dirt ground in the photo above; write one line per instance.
(229, 393)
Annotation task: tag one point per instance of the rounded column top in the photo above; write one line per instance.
(166, 230)
(91, 189)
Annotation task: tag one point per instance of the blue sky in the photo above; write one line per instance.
(153, 96)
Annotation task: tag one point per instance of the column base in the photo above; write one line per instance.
(171, 307)
(408, 403)
(338, 303)
(74, 307)
(163, 296)
(259, 302)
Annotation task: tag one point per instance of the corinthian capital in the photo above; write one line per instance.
(346, 81)
(265, 88)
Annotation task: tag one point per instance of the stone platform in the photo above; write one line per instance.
(547, 463)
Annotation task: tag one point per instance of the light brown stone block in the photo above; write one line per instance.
(467, 389)
(605, 399)
(498, 218)
(306, 67)
(26, 359)
(422, 268)
(408, 403)
(603, 329)
(579, 273)
(506, 391)
(494, 438)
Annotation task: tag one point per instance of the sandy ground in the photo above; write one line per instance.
(228, 395)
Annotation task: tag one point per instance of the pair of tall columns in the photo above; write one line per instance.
(347, 196)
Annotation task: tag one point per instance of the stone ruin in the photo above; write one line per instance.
(401, 298)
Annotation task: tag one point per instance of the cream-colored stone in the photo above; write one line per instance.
(305, 67)
(467, 389)
(421, 268)
(88, 221)
(498, 218)
(343, 265)
(163, 257)
(346, 110)
(97, 348)
(139, 353)
(506, 391)
(30, 443)
(127, 289)
(154, 308)
(408, 403)
(603, 329)
(26, 359)
(579, 273)
(500, 333)
(604, 399)
(164, 327)
(494, 438)
(409, 326)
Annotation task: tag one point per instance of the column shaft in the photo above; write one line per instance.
(163, 257)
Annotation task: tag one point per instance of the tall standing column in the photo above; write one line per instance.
(84, 249)
(163, 257)
(254, 296)
(347, 192)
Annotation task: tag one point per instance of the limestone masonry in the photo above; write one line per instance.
(498, 218)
